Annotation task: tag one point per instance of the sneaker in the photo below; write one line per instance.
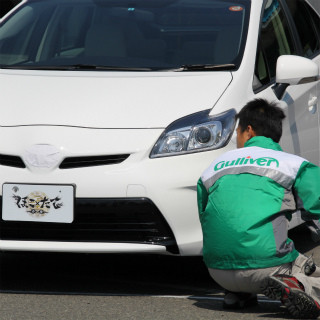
(291, 292)
(239, 300)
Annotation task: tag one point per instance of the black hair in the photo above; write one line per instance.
(264, 117)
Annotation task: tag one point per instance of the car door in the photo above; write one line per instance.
(304, 113)
(279, 36)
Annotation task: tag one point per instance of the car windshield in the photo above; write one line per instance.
(185, 35)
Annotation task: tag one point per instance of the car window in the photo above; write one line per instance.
(275, 39)
(146, 34)
(308, 26)
(261, 74)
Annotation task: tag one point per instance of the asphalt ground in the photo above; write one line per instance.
(83, 286)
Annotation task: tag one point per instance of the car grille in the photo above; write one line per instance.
(78, 162)
(11, 161)
(130, 220)
(70, 162)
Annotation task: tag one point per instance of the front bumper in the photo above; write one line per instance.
(136, 205)
(120, 220)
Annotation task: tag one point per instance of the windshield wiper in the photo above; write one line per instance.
(30, 67)
(74, 67)
(89, 67)
(102, 67)
(206, 67)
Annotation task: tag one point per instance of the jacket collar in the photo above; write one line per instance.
(263, 142)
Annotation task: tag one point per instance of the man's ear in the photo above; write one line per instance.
(250, 132)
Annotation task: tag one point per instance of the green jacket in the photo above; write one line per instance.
(245, 199)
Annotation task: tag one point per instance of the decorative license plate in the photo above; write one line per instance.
(37, 202)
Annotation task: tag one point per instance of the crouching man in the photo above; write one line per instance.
(245, 199)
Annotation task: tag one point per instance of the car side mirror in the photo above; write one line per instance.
(294, 70)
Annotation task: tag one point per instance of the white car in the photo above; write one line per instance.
(111, 110)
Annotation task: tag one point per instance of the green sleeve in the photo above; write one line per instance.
(307, 189)
(202, 196)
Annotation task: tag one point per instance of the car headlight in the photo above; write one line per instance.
(195, 133)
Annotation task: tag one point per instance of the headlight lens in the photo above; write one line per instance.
(195, 133)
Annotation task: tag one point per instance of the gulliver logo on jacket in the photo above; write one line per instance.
(263, 162)
(275, 164)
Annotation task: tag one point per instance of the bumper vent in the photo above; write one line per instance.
(11, 161)
(126, 220)
(79, 162)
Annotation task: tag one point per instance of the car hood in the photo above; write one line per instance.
(106, 99)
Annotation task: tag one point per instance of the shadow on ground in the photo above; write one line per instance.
(115, 274)
(103, 274)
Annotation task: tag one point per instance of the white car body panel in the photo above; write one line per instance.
(105, 98)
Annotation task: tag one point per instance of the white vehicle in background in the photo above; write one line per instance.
(111, 110)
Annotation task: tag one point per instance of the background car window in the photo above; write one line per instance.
(275, 40)
(308, 26)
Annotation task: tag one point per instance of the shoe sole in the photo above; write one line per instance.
(298, 303)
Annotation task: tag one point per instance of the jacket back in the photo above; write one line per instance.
(245, 199)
